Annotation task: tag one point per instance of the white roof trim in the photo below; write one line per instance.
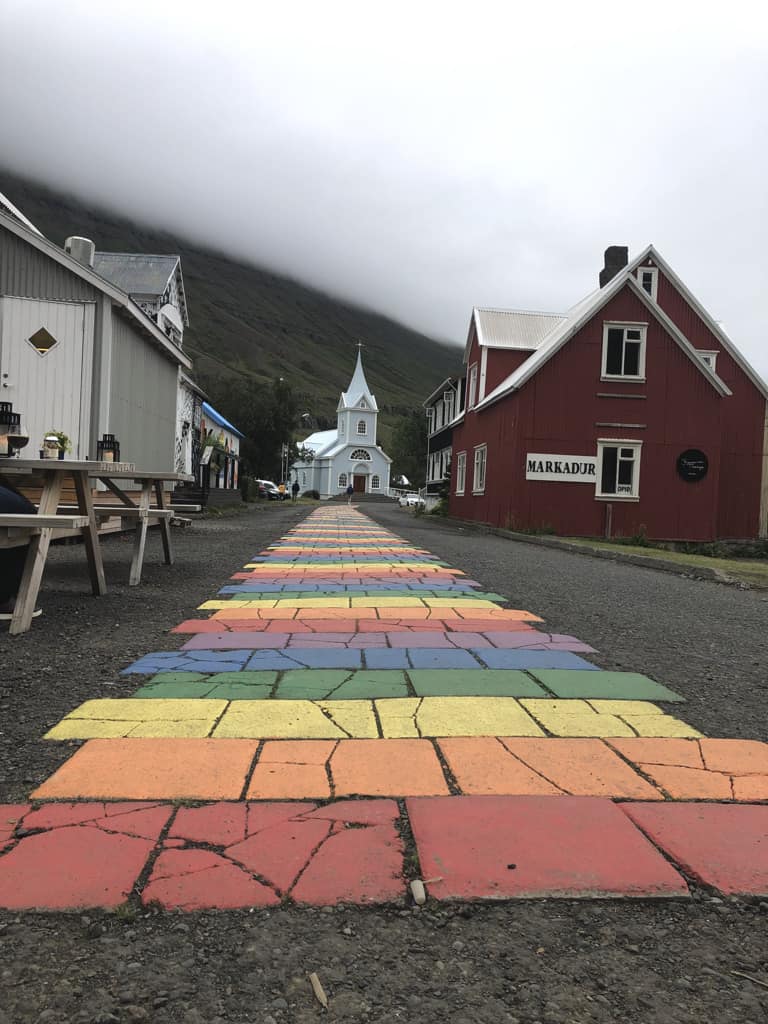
(448, 382)
(711, 323)
(6, 202)
(50, 249)
(583, 313)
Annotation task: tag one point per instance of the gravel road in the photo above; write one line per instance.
(551, 962)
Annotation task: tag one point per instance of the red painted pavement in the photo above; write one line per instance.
(85, 857)
(723, 845)
(347, 852)
(477, 847)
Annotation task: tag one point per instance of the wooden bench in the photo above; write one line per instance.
(37, 531)
(40, 522)
(124, 512)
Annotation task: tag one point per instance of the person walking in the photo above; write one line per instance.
(295, 490)
(12, 560)
(350, 492)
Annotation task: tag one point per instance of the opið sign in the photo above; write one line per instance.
(576, 469)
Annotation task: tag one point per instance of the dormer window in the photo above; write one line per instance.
(624, 351)
(648, 278)
(362, 427)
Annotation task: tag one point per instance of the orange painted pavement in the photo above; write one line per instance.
(153, 769)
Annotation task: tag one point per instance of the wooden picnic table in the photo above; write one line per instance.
(53, 473)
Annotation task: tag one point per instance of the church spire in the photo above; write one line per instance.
(358, 387)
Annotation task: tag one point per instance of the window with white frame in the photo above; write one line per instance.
(624, 351)
(472, 386)
(342, 479)
(362, 427)
(648, 277)
(342, 427)
(461, 471)
(430, 419)
(448, 401)
(360, 455)
(709, 358)
(375, 482)
(618, 469)
(478, 475)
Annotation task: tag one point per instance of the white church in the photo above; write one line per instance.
(348, 455)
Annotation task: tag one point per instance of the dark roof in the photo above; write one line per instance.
(135, 273)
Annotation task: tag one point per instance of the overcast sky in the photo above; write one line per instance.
(418, 158)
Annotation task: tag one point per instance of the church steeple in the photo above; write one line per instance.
(358, 391)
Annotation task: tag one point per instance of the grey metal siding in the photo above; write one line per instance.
(27, 273)
(142, 406)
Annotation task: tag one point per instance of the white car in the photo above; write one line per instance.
(411, 501)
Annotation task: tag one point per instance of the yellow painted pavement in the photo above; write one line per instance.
(398, 718)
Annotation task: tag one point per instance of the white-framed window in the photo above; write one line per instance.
(710, 358)
(375, 482)
(624, 351)
(42, 341)
(342, 427)
(478, 474)
(342, 479)
(448, 402)
(461, 471)
(618, 468)
(362, 427)
(472, 386)
(430, 419)
(648, 279)
(304, 479)
(360, 455)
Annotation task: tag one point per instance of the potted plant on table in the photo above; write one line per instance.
(55, 445)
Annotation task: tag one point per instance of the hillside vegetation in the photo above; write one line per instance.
(247, 323)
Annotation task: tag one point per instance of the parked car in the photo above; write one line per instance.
(268, 489)
(412, 501)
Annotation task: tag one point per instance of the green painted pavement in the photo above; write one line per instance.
(258, 595)
(604, 685)
(344, 684)
(312, 684)
(430, 682)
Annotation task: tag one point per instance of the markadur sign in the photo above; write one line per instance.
(577, 469)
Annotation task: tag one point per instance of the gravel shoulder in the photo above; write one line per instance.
(551, 962)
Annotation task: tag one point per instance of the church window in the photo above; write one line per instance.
(375, 483)
(342, 427)
(360, 455)
(342, 479)
(362, 427)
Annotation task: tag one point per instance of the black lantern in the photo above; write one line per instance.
(108, 449)
(13, 436)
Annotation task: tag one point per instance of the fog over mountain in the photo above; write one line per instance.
(416, 158)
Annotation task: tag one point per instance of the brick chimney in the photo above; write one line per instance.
(616, 258)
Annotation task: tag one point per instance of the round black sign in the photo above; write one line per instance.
(692, 465)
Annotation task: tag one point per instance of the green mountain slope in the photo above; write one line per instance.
(248, 322)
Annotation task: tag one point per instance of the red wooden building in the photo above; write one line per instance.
(633, 413)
